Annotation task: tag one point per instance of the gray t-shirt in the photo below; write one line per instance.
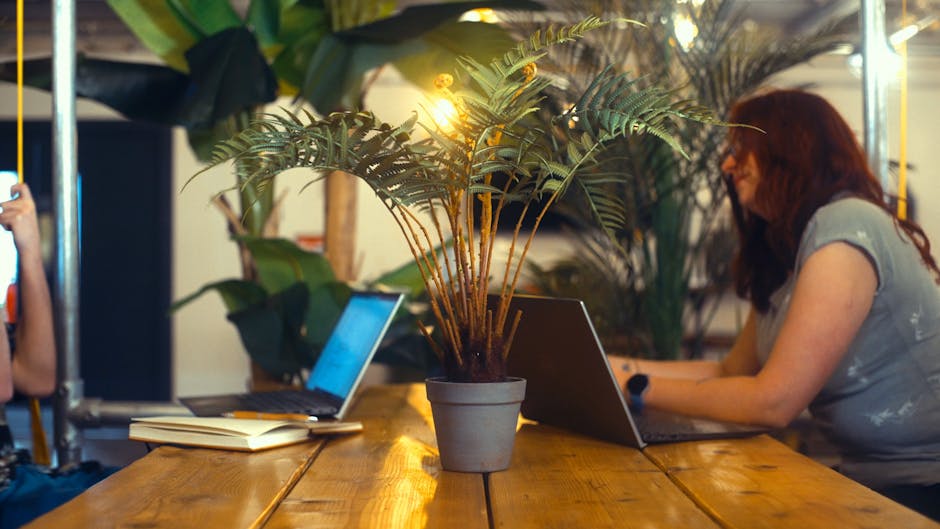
(881, 406)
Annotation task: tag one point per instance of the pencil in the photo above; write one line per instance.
(248, 414)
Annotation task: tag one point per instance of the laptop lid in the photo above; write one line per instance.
(352, 344)
(570, 383)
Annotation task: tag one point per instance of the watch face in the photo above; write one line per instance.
(637, 384)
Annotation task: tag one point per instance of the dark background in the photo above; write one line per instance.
(125, 247)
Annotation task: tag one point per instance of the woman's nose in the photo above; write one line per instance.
(728, 163)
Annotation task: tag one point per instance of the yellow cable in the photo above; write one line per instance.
(19, 89)
(902, 155)
(40, 448)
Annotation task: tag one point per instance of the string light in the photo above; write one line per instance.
(684, 29)
(480, 15)
(444, 113)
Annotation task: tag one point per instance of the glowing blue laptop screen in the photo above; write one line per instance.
(352, 343)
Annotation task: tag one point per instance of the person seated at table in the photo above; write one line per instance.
(32, 369)
(845, 308)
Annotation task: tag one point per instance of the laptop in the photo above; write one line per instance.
(569, 382)
(334, 377)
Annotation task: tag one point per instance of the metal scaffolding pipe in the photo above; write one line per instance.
(874, 52)
(92, 412)
(65, 199)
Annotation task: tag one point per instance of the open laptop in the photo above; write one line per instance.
(569, 382)
(335, 376)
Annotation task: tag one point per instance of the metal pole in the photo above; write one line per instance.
(93, 412)
(874, 53)
(65, 198)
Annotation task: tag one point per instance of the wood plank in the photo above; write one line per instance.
(387, 476)
(560, 480)
(184, 488)
(760, 483)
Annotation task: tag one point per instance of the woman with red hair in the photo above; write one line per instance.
(845, 308)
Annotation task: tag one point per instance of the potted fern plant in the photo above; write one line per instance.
(449, 188)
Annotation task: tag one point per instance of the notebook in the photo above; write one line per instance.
(569, 382)
(333, 379)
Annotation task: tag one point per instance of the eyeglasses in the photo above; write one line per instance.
(731, 149)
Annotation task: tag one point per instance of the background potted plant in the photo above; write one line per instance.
(653, 287)
(451, 186)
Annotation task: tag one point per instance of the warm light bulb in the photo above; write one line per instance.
(685, 29)
(444, 113)
(480, 15)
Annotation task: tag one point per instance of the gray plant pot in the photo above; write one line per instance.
(475, 423)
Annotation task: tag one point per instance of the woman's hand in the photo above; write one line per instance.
(18, 215)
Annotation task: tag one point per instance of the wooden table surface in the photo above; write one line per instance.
(389, 476)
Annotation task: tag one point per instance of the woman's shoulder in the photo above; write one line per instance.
(852, 220)
(852, 207)
(850, 214)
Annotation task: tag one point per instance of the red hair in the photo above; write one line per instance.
(806, 154)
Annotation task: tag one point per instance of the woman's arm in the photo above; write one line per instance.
(740, 360)
(34, 364)
(6, 375)
(832, 297)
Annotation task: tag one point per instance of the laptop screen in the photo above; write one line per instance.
(353, 342)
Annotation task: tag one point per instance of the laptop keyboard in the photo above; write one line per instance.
(288, 401)
(653, 431)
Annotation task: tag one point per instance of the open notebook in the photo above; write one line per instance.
(335, 376)
(233, 434)
(569, 382)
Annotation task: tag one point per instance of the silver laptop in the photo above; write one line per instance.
(569, 382)
(337, 373)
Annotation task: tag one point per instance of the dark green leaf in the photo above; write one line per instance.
(236, 294)
(210, 16)
(326, 304)
(229, 74)
(144, 92)
(281, 263)
(272, 331)
(264, 19)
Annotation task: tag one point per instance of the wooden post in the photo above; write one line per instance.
(340, 213)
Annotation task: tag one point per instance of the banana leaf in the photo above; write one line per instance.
(219, 66)
(229, 75)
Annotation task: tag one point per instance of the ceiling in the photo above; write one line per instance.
(98, 30)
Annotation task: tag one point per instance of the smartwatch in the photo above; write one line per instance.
(637, 386)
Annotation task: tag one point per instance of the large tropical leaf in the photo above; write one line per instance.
(272, 331)
(285, 318)
(281, 263)
(333, 78)
(159, 28)
(139, 91)
(236, 66)
(236, 294)
(228, 75)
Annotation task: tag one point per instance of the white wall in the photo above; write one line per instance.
(207, 354)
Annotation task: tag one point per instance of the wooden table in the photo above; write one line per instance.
(389, 477)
